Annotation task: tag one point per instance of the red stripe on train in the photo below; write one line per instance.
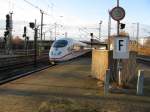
(64, 55)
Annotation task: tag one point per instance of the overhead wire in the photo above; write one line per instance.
(37, 7)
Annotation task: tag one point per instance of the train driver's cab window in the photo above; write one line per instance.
(60, 43)
(76, 47)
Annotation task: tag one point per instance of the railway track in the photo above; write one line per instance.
(16, 67)
(143, 59)
(8, 79)
(18, 62)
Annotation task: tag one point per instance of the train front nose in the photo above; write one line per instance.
(55, 54)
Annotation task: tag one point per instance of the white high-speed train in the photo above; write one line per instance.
(65, 49)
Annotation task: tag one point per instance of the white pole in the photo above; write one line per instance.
(106, 82)
(140, 82)
(100, 29)
(55, 30)
(66, 34)
(109, 30)
(137, 36)
(119, 76)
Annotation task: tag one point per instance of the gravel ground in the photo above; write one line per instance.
(67, 82)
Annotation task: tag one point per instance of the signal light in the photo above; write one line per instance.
(32, 25)
(25, 31)
(91, 34)
(122, 26)
(27, 38)
(6, 33)
(7, 21)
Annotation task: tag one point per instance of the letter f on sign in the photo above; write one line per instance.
(120, 44)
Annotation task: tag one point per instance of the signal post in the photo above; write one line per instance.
(8, 33)
(35, 28)
(120, 50)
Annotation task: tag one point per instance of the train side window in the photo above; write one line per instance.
(70, 48)
(76, 47)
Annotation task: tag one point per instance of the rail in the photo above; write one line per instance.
(144, 58)
(14, 66)
(7, 61)
(20, 61)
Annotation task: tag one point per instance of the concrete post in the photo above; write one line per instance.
(119, 77)
(106, 82)
(119, 72)
(100, 24)
(140, 82)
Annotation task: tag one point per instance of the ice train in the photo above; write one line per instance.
(65, 49)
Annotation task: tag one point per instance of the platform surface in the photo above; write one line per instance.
(68, 80)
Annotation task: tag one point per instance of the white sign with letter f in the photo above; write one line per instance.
(121, 50)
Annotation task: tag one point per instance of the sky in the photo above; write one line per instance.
(72, 15)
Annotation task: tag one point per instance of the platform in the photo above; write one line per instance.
(65, 80)
(69, 80)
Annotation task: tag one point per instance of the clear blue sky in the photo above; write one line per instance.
(86, 10)
(136, 10)
(76, 12)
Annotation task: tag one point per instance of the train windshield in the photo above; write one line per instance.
(60, 43)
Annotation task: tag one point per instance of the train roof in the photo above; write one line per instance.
(72, 41)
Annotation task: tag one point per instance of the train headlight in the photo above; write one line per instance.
(59, 53)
